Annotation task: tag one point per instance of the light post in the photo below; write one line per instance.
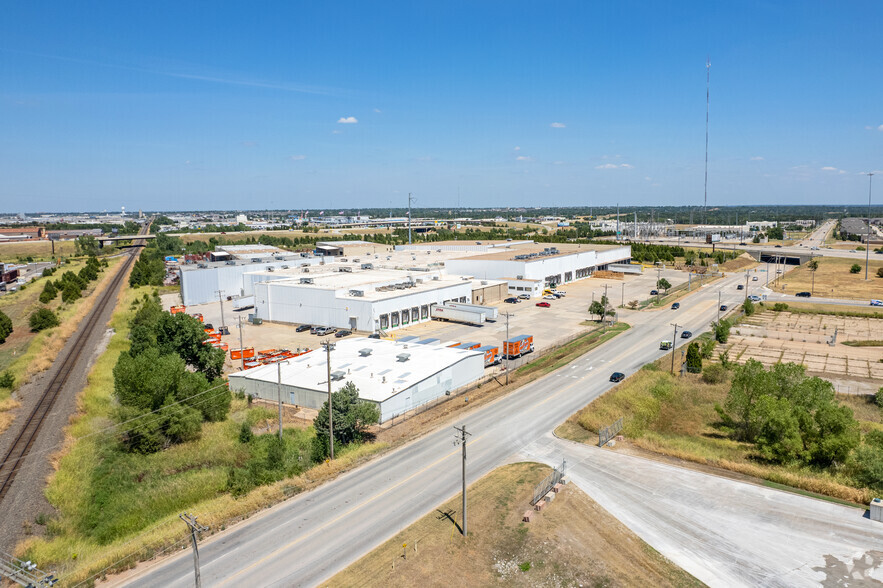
(329, 346)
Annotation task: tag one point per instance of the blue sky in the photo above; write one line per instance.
(171, 105)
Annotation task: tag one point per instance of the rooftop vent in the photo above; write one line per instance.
(338, 375)
(284, 267)
(357, 293)
(230, 262)
(270, 268)
(367, 266)
(365, 352)
(202, 265)
(306, 269)
(306, 280)
(403, 357)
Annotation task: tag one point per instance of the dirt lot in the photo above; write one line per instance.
(772, 337)
(833, 280)
(38, 250)
(573, 542)
(562, 321)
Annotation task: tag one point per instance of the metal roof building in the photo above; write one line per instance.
(396, 376)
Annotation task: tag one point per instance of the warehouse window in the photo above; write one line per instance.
(405, 315)
(384, 321)
(415, 314)
(424, 311)
(394, 319)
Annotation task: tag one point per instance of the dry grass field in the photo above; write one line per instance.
(833, 280)
(38, 250)
(573, 542)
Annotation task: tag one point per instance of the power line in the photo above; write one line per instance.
(195, 528)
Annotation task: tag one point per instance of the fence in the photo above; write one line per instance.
(607, 433)
(548, 483)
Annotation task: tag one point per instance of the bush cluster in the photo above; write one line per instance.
(42, 318)
(5, 326)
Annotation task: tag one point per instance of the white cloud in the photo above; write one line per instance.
(757, 158)
(524, 158)
(829, 168)
(297, 157)
(557, 125)
(348, 120)
(517, 148)
(627, 165)
(614, 166)
(880, 128)
(378, 111)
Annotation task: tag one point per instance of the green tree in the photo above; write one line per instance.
(71, 292)
(663, 284)
(855, 268)
(694, 359)
(689, 257)
(778, 436)
(86, 245)
(748, 307)
(42, 318)
(49, 292)
(352, 417)
(879, 397)
(880, 272)
(721, 330)
(708, 348)
(7, 380)
(5, 326)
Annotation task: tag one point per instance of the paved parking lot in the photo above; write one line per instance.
(549, 326)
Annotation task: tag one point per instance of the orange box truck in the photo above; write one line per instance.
(518, 346)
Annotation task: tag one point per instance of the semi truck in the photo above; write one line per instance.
(490, 312)
(517, 346)
(491, 354)
(243, 302)
(448, 313)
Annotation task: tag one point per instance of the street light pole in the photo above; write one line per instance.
(674, 342)
(868, 244)
(329, 346)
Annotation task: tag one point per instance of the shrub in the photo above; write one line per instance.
(880, 272)
(694, 359)
(714, 374)
(780, 306)
(43, 318)
(707, 350)
(856, 268)
(49, 292)
(71, 292)
(748, 307)
(7, 380)
(721, 330)
(879, 397)
(5, 326)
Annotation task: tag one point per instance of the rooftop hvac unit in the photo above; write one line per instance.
(365, 352)
(284, 267)
(403, 356)
(306, 269)
(338, 375)
(270, 268)
(357, 292)
(435, 277)
(484, 282)
(367, 266)
(519, 277)
(202, 265)
(306, 280)
(230, 262)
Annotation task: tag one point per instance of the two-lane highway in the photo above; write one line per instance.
(310, 537)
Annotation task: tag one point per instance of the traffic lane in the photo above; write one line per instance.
(515, 420)
(817, 300)
(724, 532)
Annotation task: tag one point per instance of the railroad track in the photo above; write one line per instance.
(13, 460)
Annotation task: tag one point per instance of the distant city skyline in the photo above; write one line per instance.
(345, 105)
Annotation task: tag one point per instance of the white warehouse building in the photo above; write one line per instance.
(397, 377)
(367, 300)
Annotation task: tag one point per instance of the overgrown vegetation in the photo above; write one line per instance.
(352, 417)
(42, 318)
(721, 330)
(5, 326)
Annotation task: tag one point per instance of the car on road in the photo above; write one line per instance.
(654, 292)
(302, 328)
(723, 307)
(743, 243)
(803, 294)
(852, 251)
(778, 246)
(511, 300)
(617, 377)
(344, 333)
(676, 306)
(544, 304)
(876, 302)
(754, 298)
(814, 248)
(550, 297)
(374, 336)
(686, 334)
(740, 286)
(754, 279)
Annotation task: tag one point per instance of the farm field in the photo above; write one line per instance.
(833, 280)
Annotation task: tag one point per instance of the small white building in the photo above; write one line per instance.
(346, 297)
(397, 377)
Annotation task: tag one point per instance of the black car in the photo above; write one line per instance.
(617, 377)
(654, 292)
(686, 334)
(804, 294)
(511, 300)
(778, 246)
(302, 328)
(723, 307)
(374, 336)
(740, 286)
(340, 334)
(676, 306)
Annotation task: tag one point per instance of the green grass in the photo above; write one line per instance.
(793, 490)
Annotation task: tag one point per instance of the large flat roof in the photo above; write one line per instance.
(563, 249)
(378, 375)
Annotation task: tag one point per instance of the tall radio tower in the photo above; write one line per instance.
(707, 91)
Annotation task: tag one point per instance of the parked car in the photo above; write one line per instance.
(676, 306)
(617, 377)
(654, 292)
(302, 328)
(803, 294)
(550, 297)
(524, 296)
(314, 329)
(723, 307)
(876, 302)
(544, 304)
(511, 300)
(740, 286)
(340, 334)
(322, 331)
(374, 336)
(560, 293)
(686, 334)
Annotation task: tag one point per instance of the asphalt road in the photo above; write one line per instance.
(310, 537)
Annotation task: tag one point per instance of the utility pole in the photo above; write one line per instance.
(622, 301)
(746, 283)
(605, 301)
(329, 347)
(221, 300)
(718, 306)
(674, 342)
(461, 440)
(279, 393)
(505, 352)
(241, 347)
(868, 244)
(658, 277)
(617, 221)
(195, 528)
(410, 200)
